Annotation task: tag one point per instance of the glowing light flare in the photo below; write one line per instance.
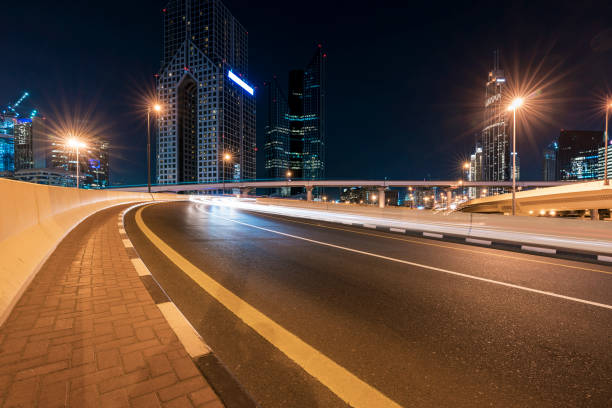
(227, 156)
(157, 107)
(75, 143)
(516, 103)
(240, 82)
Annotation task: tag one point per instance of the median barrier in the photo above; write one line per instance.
(561, 234)
(34, 218)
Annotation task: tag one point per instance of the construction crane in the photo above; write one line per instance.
(12, 107)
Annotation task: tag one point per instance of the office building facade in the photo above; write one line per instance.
(276, 144)
(602, 162)
(206, 130)
(578, 154)
(496, 158)
(298, 123)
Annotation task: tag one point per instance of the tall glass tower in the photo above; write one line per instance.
(496, 146)
(207, 126)
(296, 126)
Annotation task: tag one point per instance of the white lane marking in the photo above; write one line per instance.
(403, 231)
(478, 241)
(433, 268)
(432, 235)
(346, 222)
(190, 338)
(127, 243)
(369, 226)
(122, 231)
(140, 267)
(538, 249)
(604, 258)
(120, 223)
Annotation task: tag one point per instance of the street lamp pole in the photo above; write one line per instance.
(513, 107)
(76, 144)
(156, 108)
(606, 181)
(514, 162)
(149, 150)
(77, 166)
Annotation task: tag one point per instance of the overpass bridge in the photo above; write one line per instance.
(247, 185)
(591, 196)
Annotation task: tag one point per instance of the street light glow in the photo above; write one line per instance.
(75, 143)
(227, 156)
(516, 103)
(157, 107)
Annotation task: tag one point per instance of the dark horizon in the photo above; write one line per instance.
(405, 85)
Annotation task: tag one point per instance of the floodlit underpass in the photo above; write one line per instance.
(307, 304)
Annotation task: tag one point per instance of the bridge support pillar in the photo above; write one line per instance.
(449, 198)
(381, 197)
(244, 192)
(309, 193)
(595, 214)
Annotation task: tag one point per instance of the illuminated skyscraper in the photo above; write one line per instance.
(208, 106)
(301, 128)
(496, 144)
(277, 132)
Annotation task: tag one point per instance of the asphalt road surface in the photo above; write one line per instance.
(426, 323)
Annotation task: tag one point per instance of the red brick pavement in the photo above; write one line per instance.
(87, 333)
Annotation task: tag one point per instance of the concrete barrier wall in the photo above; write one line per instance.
(34, 219)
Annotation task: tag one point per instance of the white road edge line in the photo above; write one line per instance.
(433, 268)
(403, 231)
(432, 235)
(186, 333)
(538, 249)
(188, 336)
(141, 268)
(369, 226)
(478, 241)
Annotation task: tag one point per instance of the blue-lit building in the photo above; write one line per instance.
(206, 129)
(549, 165)
(7, 146)
(578, 154)
(296, 126)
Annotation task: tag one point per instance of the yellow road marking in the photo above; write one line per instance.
(414, 241)
(340, 381)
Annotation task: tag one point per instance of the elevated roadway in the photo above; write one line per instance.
(590, 196)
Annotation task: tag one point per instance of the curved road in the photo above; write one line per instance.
(422, 322)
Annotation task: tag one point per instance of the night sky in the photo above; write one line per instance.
(405, 79)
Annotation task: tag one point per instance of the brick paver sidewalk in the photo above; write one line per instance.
(87, 333)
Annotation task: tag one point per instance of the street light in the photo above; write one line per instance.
(76, 144)
(226, 157)
(516, 103)
(606, 182)
(157, 108)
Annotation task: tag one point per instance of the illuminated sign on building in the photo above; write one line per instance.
(240, 82)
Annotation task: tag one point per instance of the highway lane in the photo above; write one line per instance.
(421, 336)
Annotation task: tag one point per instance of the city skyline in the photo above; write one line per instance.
(428, 125)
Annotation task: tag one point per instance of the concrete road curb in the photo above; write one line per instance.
(218, 376)
(575, 255)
